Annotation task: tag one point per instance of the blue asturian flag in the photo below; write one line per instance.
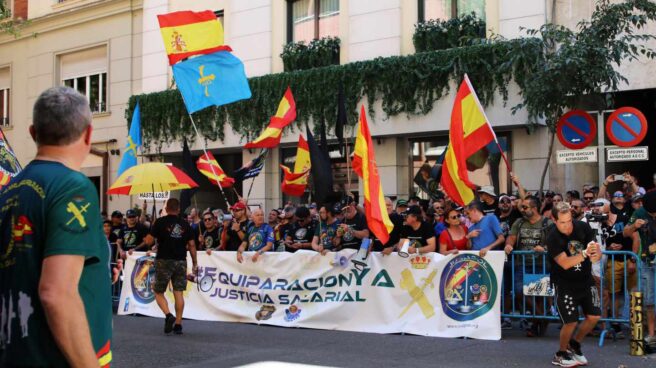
(134, 141)
(213, 79)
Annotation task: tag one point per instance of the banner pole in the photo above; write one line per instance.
(248, 196)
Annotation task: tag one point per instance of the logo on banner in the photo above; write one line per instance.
(419, 262)
(417, 294)
(143, 277)
(467, 287)
(292, 313)
(266, 312)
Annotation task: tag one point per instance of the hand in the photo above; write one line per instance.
(482, 253)
(295, 245)
(122, 254)
(610, 178)
(508, 249)
(538, 248)
(615, 246)
(209, 252)
(454, 251)
(387, 251)
(235, 226)
(628, 178)
(638, 223)
(324, 252)
(194, 269)
(631, 267)
(116, 271)
(240, 257)
(473, 234)
(130, 251)
(149, 253)
(515, 179)
(255, 257)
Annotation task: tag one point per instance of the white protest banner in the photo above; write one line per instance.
(429, 295)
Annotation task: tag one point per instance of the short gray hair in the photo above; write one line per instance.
(60, 116)
(560, 207)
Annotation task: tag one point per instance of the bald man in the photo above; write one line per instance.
(259, 237)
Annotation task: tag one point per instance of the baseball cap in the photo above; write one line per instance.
(488, 189)
(302, 212)
(287, 212)
(649, 201)
(238, 206)
(401, 203)
(618, 194)
(413, 210)
(130, 213)
(312, 206)
(600, 202)
(117, 213)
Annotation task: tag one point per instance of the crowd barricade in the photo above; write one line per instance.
(527, 293)
(116, 287)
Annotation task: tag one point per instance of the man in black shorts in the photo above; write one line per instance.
(173, 236)
(572, 250)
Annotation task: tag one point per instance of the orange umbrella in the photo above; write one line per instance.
(151, 177)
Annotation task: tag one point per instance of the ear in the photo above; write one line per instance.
(32, 133)
(87, 135)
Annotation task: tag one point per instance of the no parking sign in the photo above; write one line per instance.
(626, 127)
(576, 129)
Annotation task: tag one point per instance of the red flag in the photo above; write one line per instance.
(209, 167)
(286, 113)
(364, 164)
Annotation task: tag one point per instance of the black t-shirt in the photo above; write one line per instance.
(357, 223)
(394, 236)
(211, 239)
(172, 234)
(280, 233)
(490, 208)
(508, 221)
(418, 238)
(234, 241)
(580, 275)
(302, 234)
(118, 230)
(133, 236)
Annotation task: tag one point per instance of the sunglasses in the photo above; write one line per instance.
(207, 219)
(504, 201)
(576, 207)
(588, 198)
(439, 208)
(525, 207)
(454, 217)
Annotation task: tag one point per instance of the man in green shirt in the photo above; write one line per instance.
(55, 289)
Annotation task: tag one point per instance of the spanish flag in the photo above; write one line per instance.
(209, 167)
(364, 164)
(470, 132)
(188, 33)
(286, 113)
(104, 356)
(294, 183)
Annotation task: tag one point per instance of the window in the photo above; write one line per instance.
(447, 9)
(5, 94)
(86, 71)
(312, 19)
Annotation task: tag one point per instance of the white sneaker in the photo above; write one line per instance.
(650, 340)
(564, 359)
(577, 354)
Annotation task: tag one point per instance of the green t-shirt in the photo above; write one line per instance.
(47, 210)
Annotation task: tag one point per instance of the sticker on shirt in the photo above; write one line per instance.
(177, 232)
(575, 247)
(300, 233)
(130, 238)
(327, 237)
(255, 241)
(348, 234)
(78, 211)
(209, 242)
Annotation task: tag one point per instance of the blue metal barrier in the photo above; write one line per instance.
(614, 268)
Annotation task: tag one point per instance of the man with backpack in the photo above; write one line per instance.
(528, 234)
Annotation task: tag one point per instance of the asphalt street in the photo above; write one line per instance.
(140, 342)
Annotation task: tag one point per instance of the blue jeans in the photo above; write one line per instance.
(647, 279)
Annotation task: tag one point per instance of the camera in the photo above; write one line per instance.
(619, 177)
(225, 217)
(596, 217)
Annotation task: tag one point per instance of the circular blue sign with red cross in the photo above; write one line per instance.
(626, 127)
(576, 129)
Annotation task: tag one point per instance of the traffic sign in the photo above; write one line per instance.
(626, 127)
(576, 129)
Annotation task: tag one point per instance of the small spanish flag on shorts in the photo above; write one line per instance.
(104, 356)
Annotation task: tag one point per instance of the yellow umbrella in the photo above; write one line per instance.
(151, 177)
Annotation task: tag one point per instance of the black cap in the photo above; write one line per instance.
(302, 212)
(117, 213)
(649, 201)
(335, 208)
(413, 210)
(130, 213)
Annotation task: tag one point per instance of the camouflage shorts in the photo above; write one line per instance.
(170, 270)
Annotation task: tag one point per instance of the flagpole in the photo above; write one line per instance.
(248, 196)
(348, 158)
(487, 121)
(193, 124)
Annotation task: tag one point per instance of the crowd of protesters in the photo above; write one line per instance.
(622, 219)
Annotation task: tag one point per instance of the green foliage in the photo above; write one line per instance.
(436, 34)
(403, 84)
(7, 23)
(318, 53)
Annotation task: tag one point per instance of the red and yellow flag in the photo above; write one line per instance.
(470, 132)
(286, 113)
(209, 167)
(294, 183)
(22, 227)
(364, 164)
(104, 356)
(188, 33)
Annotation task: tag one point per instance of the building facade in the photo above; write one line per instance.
(112, 49)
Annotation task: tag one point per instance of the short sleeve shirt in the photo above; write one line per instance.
(133, 236)
(172, 234)
(47, 210)
(357, 223)
(302, 234)
(529, 235)
(234, 241)
(418, 238)
(573, 244)
(647, 233)
(326, 233)
(259, 236)
(211, 238)
(490, 230)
